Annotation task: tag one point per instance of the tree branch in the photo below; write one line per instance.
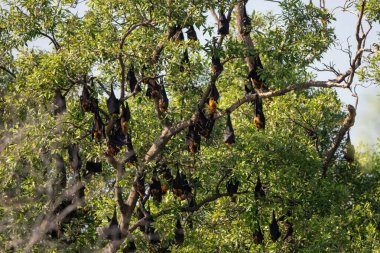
(55, 43)
(8, 71)
(347, 124)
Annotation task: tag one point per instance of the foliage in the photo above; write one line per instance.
(87, 40)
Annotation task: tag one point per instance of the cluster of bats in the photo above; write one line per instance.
(117, 133)
(112, 232)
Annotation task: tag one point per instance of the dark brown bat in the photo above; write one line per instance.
(155, 188)
(274, 229)
(232, 187)
(217, 66)
(130, 247)
(223, 24)
(86, 100)
(152, 89)
(140, 185)
(179, 235)
(193, 140)
(116, 139)
(92, 168)
(133, 158)
(59, 103)
(259, 115)
(204, 125)
(229, 135)
(181, 187)
(191, 34)
(289, 230)
(163, 103)
(74, 158)
(153, 236)
(185, 60)
(112, 231)
(258, 236)
(113, 104)
(98, 129)
(125, 117)
(254, 75)
(131, 78)
(259, 191)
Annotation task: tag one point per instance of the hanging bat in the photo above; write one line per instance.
(165, 172)
(153, 89)
(193, 140)
(130, 247)
(112, 231)
(259, 115)
(214, 97)
(155, 188)
(185, 60)
(133, 158)
(74, 158)
(259, 191)
(163, 103)
(92, 168)
(249, 89)
(254, 75)
(289, 230)
(204, 125)
(116, 139)
(258, 236)
(98, 129)
(232, 187)
(191, 34)
(274, 229)
(191, 201)
(223, 24)
(153, 236)
(125, 117)
(113, 104)
(59, 103)
(217, 66)
(131, 78)
(86, 100)
(349, 150)
(179, 235)
(140, 185)
(229, 135)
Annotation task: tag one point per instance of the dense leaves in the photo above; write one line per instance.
(122, 72)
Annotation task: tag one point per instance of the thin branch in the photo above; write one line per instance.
(55, 43)
(347, 124)
(8, 71)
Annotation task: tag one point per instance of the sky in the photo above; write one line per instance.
(367, 125)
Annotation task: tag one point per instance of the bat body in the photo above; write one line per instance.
(274, 229)
(191, 34)
(229, 135)
(258, 236)
(259, 191)
(179, 235)
(59, 103)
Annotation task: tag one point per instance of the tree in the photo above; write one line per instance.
(190, 146)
